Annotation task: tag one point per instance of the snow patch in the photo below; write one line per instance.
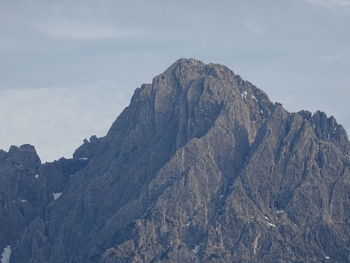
(244, 94)
(270, 224)
(23, 200)
(37, 176)
(5, 257)
(254, 98)
(56, 196)
(326, 257)
(83, 158)
(196, 249)
(280, 211)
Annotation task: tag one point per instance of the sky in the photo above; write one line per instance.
(68, 68)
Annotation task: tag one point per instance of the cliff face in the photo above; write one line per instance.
(200, 167)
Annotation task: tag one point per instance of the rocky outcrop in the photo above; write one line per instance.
(200, 167)
(22, 193)
(27, 187)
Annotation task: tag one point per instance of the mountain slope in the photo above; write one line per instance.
(202, 167)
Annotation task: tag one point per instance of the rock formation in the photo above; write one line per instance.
(200, 167)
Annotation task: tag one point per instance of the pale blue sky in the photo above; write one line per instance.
(67, 68)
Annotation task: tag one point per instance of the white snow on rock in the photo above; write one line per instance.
(270, 224)
(5, 257)
(56, 196)
(326, 257)
(280, 211)
(36, 176)
(83, 158)
(196, 249)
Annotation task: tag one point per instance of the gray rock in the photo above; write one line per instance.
(26, 191)
(200, 167)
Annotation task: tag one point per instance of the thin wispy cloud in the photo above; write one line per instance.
(331, 3)
(254, 26)
(336, 59)
(76, 30)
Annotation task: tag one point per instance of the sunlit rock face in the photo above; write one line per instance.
(200, 167)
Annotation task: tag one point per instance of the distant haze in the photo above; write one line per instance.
(67, 70)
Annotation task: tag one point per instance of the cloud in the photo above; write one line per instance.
(331, 3)
(76, 30)
(336, 59)
(56, 120)
(254, 26)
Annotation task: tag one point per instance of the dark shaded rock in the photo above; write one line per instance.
(58, 173)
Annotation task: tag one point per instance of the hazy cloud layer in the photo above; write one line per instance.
(295, 50)
(56, 119)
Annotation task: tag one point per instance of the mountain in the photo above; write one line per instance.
(200, 167)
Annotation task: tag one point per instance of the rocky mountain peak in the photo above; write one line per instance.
(25, 154)
(200, 167)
